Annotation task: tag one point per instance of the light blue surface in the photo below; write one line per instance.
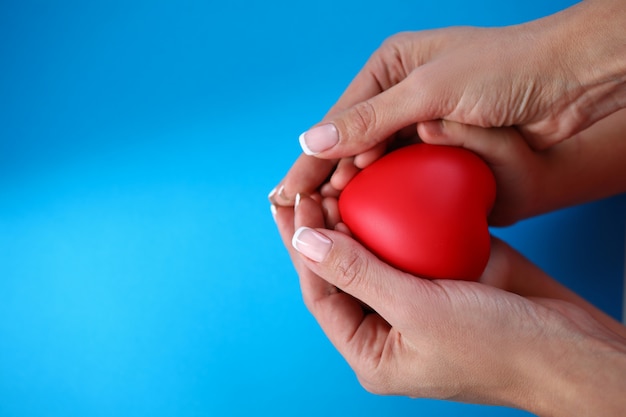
(140, 270)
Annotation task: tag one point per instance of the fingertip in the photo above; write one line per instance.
(341, 227)
(272, 195)
(305, 146)
(319, 139)
(311, 243)
(444, 132)
(366, 158)
(274, 211)
(308, 212)
(346, 170)
(328, 190)
(278, 197)
(331, 212)
(430, 130)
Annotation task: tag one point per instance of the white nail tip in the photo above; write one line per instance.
(304, 146)
(296, 237)
(274, 210)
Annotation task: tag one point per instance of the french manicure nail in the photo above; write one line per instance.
(319, 139)
(277, 196)
(281, 193)
(274, 211)
(272, 193)
(311, 243)
(297, 202)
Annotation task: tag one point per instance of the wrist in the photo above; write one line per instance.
(591, 41)
(582, 58)
(581, 376)
(599, 58)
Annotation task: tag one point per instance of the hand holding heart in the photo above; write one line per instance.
(447, 339)
(502, 340)
(587, 167)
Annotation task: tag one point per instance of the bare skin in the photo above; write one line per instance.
(551, 78)
(517, 338)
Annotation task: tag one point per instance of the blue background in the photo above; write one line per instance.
(140, 270)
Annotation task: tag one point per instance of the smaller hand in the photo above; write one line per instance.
(587, 167)
(520, 171)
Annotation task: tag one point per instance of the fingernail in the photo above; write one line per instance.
(281, 194)
(298, 197)
(319, 139)
(434, 128)
(272, 194)
(274, 211)
(277, 196)
(311, 243)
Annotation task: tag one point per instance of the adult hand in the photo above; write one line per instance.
(543, 349)
(551, 77)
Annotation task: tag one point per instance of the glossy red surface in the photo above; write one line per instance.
(423, 209)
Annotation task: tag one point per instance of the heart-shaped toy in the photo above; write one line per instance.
(423, 209)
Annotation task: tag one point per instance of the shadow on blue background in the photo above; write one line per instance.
(140, 270)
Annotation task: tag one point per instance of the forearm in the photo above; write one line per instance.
(582, 51)
(599, 36)
(587, 167)
(579, 375)
(528, 280)
(573, 362)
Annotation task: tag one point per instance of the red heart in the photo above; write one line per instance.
(423, 209)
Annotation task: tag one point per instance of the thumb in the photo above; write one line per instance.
(344, 263)
(368, 123)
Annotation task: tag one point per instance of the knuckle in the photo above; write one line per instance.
(379, 372)
(314, 301)
(396, 40)
(375, 382)
(372, 388)
(393, 60)
(362, 119)
(350, 270)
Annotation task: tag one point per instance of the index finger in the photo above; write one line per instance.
(308, 173)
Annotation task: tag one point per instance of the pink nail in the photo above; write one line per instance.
(311, 243)
(319, 139)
